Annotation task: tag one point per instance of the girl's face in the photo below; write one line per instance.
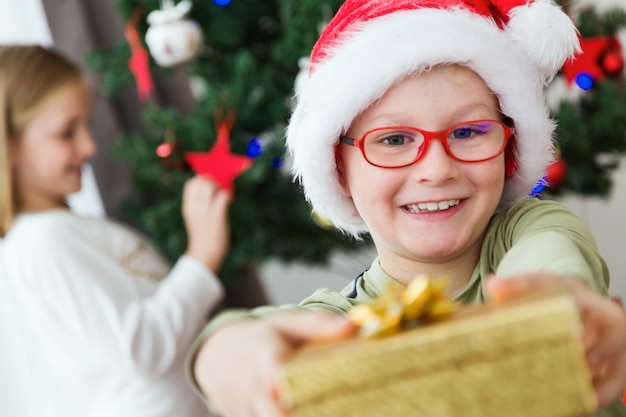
(391, 201)
(47, 159)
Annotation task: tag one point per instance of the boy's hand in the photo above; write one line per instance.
(604, 323)
(205, 212)
(238, 366)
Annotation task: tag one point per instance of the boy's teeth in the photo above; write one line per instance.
(432, 206)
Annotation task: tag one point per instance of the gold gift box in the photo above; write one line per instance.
(523, 359)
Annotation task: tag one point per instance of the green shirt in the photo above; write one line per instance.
(532, 235)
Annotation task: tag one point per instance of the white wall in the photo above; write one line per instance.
(607, 219)
(23, 21)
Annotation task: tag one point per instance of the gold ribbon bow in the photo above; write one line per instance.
(400, 308)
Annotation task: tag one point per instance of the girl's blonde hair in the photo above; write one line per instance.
(29, 74)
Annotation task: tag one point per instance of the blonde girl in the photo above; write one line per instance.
(93, 321)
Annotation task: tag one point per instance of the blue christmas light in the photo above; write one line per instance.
(277, 162)
(537, 190)
(254, 148)
(222, 3)
(584, 81)
(541, 185)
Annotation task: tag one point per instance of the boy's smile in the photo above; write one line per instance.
(429, 216)
(432, 206)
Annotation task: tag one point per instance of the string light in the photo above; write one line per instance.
(538, 189)
(277, 162)
(222, 3)
(164, 150)
(584, 81)
(254, 148)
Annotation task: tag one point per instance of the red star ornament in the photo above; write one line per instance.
(219, 163)
(588, 60)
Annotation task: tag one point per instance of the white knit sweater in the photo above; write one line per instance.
(92, 324)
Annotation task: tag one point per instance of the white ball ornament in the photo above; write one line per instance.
(171, 38)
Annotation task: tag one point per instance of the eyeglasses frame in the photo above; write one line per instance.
(428, 137)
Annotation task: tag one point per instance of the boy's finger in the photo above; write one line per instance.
(312, 326)
(611, 387)
(502, 289)
(270, 409)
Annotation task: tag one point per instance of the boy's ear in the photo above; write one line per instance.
(510, 158)
(341, 176)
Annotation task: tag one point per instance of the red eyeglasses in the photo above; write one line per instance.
(400, 146)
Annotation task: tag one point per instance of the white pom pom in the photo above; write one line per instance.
(546, 33)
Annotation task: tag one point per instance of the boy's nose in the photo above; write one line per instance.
(435, 166)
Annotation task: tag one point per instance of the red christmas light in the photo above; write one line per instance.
(164, 150)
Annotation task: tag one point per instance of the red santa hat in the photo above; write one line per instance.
(516, 46)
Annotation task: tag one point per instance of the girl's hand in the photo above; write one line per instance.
(238, 366)
(604, 323)
(205, 212)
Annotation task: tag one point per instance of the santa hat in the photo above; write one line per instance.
(516, 46)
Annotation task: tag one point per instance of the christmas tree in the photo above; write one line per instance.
(591, 130)
(243, 69)
(244, 57)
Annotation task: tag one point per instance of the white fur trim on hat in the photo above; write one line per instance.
(546, 34)
(380, 52)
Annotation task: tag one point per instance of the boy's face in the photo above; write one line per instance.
(48, 158)
(429, 216)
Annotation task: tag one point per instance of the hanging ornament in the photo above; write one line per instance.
(613, 63)
(613, 60)
(219, 163)
(556, 172)
(171, 38)
(139, 63)
(322, 221)
(585, 68)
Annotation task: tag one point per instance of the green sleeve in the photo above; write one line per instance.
(546, 236)
(322, 300)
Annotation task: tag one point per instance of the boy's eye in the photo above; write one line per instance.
(462, 133)
(395, 139)
(472, 131)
